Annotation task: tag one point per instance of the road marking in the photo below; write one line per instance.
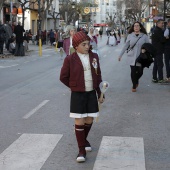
(121, 153)
(29, 152)
(35, 109)
(8, 66)
(26, 62)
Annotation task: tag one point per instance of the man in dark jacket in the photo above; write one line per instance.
(158, 41)
(18, 30)
(167, 50)
(2, 37)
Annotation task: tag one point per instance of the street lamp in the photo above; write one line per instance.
(73, 4)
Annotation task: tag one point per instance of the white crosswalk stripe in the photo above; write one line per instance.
(121, 153)
(29, 152)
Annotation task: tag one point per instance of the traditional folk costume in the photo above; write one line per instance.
(112, 38)
(81, 73)
(93, 43)
(67, 43)
(60, 42)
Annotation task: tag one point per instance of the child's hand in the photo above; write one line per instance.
(101, 100)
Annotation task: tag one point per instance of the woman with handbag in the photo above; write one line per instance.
(136, 38)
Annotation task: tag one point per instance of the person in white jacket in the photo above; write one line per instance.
(12, 46)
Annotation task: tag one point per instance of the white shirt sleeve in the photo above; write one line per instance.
(166, 33)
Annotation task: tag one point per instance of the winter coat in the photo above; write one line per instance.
(131, 40)
(2, 33)
(19, 30)
(8, 30)
(158, 40)
(146, 59)
(72, 73)
(66, 45)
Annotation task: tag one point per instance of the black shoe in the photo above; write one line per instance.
(154, 81)
(163, 82)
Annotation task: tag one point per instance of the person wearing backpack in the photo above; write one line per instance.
(136, 38)
(167, 50)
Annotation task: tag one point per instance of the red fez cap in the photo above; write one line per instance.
(79, 37)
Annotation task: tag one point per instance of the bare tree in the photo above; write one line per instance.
(26, 4)
(135, 9)
(72, 13)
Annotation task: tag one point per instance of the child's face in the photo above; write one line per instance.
(83, 48)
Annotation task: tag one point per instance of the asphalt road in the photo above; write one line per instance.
(34, 101)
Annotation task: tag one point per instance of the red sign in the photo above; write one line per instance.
(100, 25)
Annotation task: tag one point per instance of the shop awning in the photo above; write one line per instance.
(100, 25)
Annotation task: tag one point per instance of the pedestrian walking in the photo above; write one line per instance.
(101, 33)
(158, 41)
(136, 38)
(8, 29)
(2, 37)
(93, 40)
(81, 73)
(52, 37)
(68, 36)
(112, 38)
(59, 41)
(19, 30)
(167, 50)
(26, 41)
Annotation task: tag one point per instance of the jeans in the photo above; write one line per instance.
(136, 73)
(158, 67)
(167, 61)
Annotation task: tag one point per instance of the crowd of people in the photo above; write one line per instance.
(138, 48)
(13, 38)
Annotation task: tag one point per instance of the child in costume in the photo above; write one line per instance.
(68, 36)
(81, 73)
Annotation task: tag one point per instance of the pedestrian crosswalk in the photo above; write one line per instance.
(30, 152)
(120, 153)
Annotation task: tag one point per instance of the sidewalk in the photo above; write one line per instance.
(32, 47)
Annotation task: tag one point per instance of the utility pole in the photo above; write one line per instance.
(164, 10)
(39, 30)
(11, 10)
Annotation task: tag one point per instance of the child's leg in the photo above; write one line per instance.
(87, 127)
(61, 51)
(80, 136)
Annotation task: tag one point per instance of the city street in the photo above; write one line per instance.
(36, 132)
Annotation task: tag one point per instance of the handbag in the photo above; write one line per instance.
(130, 51)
